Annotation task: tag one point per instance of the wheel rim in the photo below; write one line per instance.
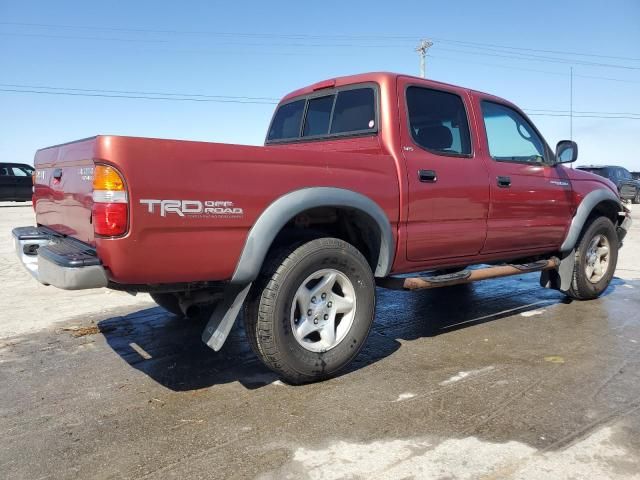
(597, 259)
(323, 310)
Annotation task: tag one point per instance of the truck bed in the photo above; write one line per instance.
(235, 182)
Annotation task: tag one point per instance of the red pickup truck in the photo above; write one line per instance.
(361, 178)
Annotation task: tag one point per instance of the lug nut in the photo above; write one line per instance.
(326, 317)
(315, 320)
(324, 295)
(313, 299)
(329, 304)
(309, 312)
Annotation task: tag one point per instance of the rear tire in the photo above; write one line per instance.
(310, 311)
(596, 259)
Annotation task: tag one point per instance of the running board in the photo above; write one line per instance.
(466, 276)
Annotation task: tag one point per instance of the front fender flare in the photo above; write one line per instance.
(282, 210)
(585, 208)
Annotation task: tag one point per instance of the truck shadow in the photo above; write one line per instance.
(169, 349)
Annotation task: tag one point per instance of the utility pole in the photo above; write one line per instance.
(422, 48)
(571, 105)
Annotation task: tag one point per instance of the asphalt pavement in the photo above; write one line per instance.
(500, 379)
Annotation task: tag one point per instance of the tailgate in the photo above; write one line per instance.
(63, 188)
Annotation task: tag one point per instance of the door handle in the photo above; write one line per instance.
(504, 182)
(427, 176)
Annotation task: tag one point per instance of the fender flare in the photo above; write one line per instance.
(585, 208)
(282, 210)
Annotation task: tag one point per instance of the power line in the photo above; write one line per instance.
(539, 58)
(557, 52)
(547, 113)
(137, 92)
(525, 69)
(489, 52)
(364, 37)
(138, 97)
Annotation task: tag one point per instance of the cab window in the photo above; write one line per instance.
(354, 111)
(318, 116)
(510, 136)
(438, 121)
(21, 171)
(349, 110)
(287, 120)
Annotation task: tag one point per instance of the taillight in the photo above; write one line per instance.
(110, 202)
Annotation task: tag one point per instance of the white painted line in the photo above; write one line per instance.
(463, 375)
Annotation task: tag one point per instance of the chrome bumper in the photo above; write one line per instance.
(624, 226)
(56, 260)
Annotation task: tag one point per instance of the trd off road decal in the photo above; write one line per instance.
(193, 208)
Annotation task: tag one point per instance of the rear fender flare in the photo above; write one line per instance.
(282, 210)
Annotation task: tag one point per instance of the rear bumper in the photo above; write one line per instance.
(57, 260)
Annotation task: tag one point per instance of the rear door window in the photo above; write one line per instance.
(438, 121)
(287, 120)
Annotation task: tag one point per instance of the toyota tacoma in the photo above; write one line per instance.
(361, 179)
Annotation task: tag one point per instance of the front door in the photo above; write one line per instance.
(447, 182)
(23, 182)
(531, 199)
(7, 183)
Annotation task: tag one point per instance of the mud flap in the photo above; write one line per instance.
(561, 278)
(224, 316)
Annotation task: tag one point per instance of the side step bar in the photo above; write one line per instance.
(466, 276)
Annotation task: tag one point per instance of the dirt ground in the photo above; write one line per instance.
(501, 379)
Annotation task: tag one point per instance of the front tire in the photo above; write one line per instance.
(596, 260)
(310, 312)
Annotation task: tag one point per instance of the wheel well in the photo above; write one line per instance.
(348, 224)
(606, 208)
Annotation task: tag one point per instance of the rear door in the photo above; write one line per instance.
(23, 181)
(447, 182)
(7, 182)
(531, 200)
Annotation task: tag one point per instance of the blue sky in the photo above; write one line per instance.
(266, 49)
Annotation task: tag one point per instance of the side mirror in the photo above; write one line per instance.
(566, 151)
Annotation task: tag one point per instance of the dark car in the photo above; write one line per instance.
(16, 182)
(635, 175)
(628, 187)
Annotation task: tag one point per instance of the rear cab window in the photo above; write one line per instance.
(344, 111)
(286, 121)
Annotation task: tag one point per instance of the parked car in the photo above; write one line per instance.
(635, 175)
(627, 186)
(16, 182)
(362, 178)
